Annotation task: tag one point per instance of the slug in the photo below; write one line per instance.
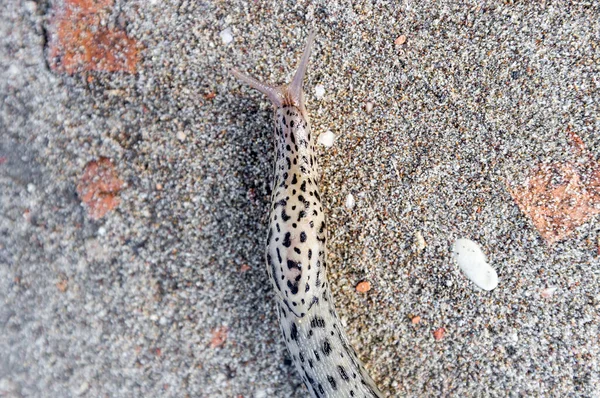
(296, 254)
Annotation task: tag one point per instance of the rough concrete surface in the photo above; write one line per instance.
(166, 294)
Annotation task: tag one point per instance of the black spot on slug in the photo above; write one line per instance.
(293, 288)
(286, 240)
(343, 373)
(317, 322)
(331, 381)
(293, 331)
(326, 347)
(303, 237)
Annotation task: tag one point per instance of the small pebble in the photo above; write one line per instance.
(326, 139)
(369, 107)
(101, 231)
(438, 334)
(400, 40)
(548, 292)
(181, 136)
(31, 6)
(244, 268)
(319, 91)
(83, 388)
(260, 394)
(473, 264)
(62, 286)
(415, 320)
(219, 337)
(13, 70)
(363, 287)
(420, 241)
(30, 188)
(226, 35)
(350, 202)
(159, 187)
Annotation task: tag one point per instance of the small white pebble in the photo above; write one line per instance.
(369, 107)
(30, 188)
(14, 70)
(181, 136)
(319, 91)
(514, 337)
(31, 6)
(220, 378)
(472, 262)
(260, 394)
(326, 139)
(226, 35)
(350, 202)
(420, 241)
(101, 231)
(548, 292)
(83, 388)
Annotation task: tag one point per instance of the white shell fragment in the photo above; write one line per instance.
(350, 202)
(326, 139)
(226, 35)
(319, 91)
(420, 241)
(472, 262)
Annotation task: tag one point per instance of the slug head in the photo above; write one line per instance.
(285, 95)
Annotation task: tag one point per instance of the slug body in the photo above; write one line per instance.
(296, 253)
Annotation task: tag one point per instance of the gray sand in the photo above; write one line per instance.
(127, 306)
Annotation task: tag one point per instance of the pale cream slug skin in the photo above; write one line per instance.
(296, 252)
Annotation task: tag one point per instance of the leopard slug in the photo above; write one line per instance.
(296, 254)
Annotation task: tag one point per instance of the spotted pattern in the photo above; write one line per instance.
(296, 263)
(297, 234)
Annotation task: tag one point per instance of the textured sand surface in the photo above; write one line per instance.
(166, 295)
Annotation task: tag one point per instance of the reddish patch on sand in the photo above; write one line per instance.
(81, 40)
(99, 186)
(560, 197)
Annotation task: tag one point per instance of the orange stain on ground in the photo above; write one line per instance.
(557, 197)
(98, 187)
(80, 41)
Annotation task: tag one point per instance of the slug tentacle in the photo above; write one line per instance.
(295, 88)
(275, 94)
(296, 254)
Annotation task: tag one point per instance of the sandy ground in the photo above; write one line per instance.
(166, 295)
